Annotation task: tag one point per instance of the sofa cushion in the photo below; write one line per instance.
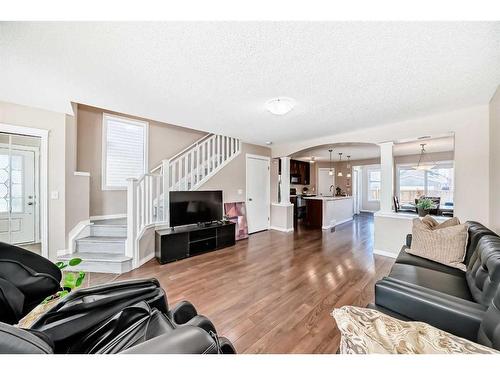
(476, 232)
(454, 285)
(445, 245)
(366, 331)
(483, 274)
(414, 260)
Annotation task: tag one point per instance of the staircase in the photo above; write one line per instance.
(113, 245)
(103, 250)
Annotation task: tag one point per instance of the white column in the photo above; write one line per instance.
(285, 180)
(386, 176)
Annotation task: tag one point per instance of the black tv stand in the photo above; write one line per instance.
(184, 242)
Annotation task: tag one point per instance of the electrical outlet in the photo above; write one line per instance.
(54, 194)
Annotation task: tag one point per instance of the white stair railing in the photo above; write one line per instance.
(147, 196)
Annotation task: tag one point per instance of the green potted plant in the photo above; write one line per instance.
(424, 206)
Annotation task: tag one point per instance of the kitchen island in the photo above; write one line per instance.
(326, 212)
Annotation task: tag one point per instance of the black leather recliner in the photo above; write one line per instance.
(463, 303)
(113, 318)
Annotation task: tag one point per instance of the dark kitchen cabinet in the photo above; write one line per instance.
(300, 172)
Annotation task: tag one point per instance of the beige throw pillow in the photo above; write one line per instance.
(445, 245)
(434, 224)
(367, 331)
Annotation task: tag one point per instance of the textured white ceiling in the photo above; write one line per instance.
(217, 76)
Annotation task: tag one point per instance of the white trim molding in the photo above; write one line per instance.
(385, 253)
(108, 217)
(75, 233)
(84, 174)
(327, 227)
(285, 230)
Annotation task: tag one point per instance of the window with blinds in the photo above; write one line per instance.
(124, 151)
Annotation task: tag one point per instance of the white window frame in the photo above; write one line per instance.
(439, 164)
(131, 121)
(371, 168)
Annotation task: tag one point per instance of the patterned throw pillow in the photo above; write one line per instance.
(367, 331)
(442, 244)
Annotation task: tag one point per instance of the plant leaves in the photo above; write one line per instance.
(69, 280)
(61, 265)
(75, 261)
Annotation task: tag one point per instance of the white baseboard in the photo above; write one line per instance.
(147, 258)
(74, 234)
(107, 217)
(369, 211)
(327, 227)
(64, 252)
(282, 229)
(385, 253)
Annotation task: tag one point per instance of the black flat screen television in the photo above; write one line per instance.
(193, 207)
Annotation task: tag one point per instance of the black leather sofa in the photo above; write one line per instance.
(123, 317)
(463, 303)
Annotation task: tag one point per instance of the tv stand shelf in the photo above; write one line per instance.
(178, 243)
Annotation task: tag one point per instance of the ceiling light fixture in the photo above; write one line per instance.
(269, 143)
(348, 166)
(280, 106)
(340, 161)
(330, 172)
(422, 166)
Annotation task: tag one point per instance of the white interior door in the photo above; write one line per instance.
(17, 196)
(325, 181)
(258, 193)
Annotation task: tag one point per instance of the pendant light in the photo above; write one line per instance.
(330, 172)
(422, 166)
(340, 161)
(348, 166)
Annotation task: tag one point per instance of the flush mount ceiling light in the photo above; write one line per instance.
(280, 106)
(422, 165)
(340, 161)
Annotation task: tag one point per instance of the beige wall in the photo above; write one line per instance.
(495, 162)
(18, 115)
(232, 178)
(77, 187)
(164, 141)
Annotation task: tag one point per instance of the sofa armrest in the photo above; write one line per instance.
(408, 240)
(451, 314)
(183, 340)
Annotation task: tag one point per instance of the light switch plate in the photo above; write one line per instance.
(240, 191)
(54, 194)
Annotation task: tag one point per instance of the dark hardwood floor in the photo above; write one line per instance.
(274, 292)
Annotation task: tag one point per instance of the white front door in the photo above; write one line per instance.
(258, 193)
(17, 196)
(325, 181)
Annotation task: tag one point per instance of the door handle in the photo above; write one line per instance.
(30, 203)
(249, 199)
